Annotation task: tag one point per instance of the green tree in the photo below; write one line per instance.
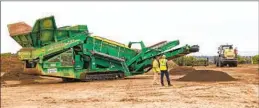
(255, 59)
(185, 61)
(240, 59)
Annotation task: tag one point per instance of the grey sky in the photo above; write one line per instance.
(207, 24)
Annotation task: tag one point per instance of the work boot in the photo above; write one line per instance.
(162, 84)
(169, 84)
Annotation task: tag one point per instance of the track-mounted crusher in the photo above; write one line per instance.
(72, 53)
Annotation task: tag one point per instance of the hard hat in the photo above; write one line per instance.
(163, 56)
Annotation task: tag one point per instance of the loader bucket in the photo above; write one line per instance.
(20, 32)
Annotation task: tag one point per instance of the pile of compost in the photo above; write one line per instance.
(206, 75)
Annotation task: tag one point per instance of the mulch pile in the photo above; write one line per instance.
(206, 75)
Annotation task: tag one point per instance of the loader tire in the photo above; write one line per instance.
(234, 65)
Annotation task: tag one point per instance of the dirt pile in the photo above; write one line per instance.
(206, 75)
(181, 70)
(11, 63)
(17, 76)
(12, 68)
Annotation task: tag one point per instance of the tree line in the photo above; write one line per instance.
(208, 60)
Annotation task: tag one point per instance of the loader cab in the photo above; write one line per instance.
(226, 50)
(227, 47)
(223, 47)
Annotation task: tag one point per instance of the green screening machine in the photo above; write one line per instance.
(72, 53)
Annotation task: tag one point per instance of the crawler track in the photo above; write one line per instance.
(106, 76)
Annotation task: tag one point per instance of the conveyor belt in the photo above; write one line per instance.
(157, 44)
(108, 56)
(110, 41)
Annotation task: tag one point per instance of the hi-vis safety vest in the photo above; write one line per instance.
(162, 63)
(155, 65)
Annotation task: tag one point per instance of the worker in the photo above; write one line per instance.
(164, 70)
(235, 51)
(156, 70)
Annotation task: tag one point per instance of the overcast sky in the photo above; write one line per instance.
(208, 24)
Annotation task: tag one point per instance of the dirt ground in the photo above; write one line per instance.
(198, 87)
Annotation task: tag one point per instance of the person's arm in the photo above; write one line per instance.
(157, 67)
(167, 64)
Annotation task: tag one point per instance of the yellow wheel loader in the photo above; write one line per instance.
(226, 56)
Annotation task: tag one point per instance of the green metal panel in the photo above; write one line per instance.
(47, 23)
(61, 35)
(46, 37)
(78, 62)
(24, 40)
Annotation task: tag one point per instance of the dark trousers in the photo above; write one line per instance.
(165, 72)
